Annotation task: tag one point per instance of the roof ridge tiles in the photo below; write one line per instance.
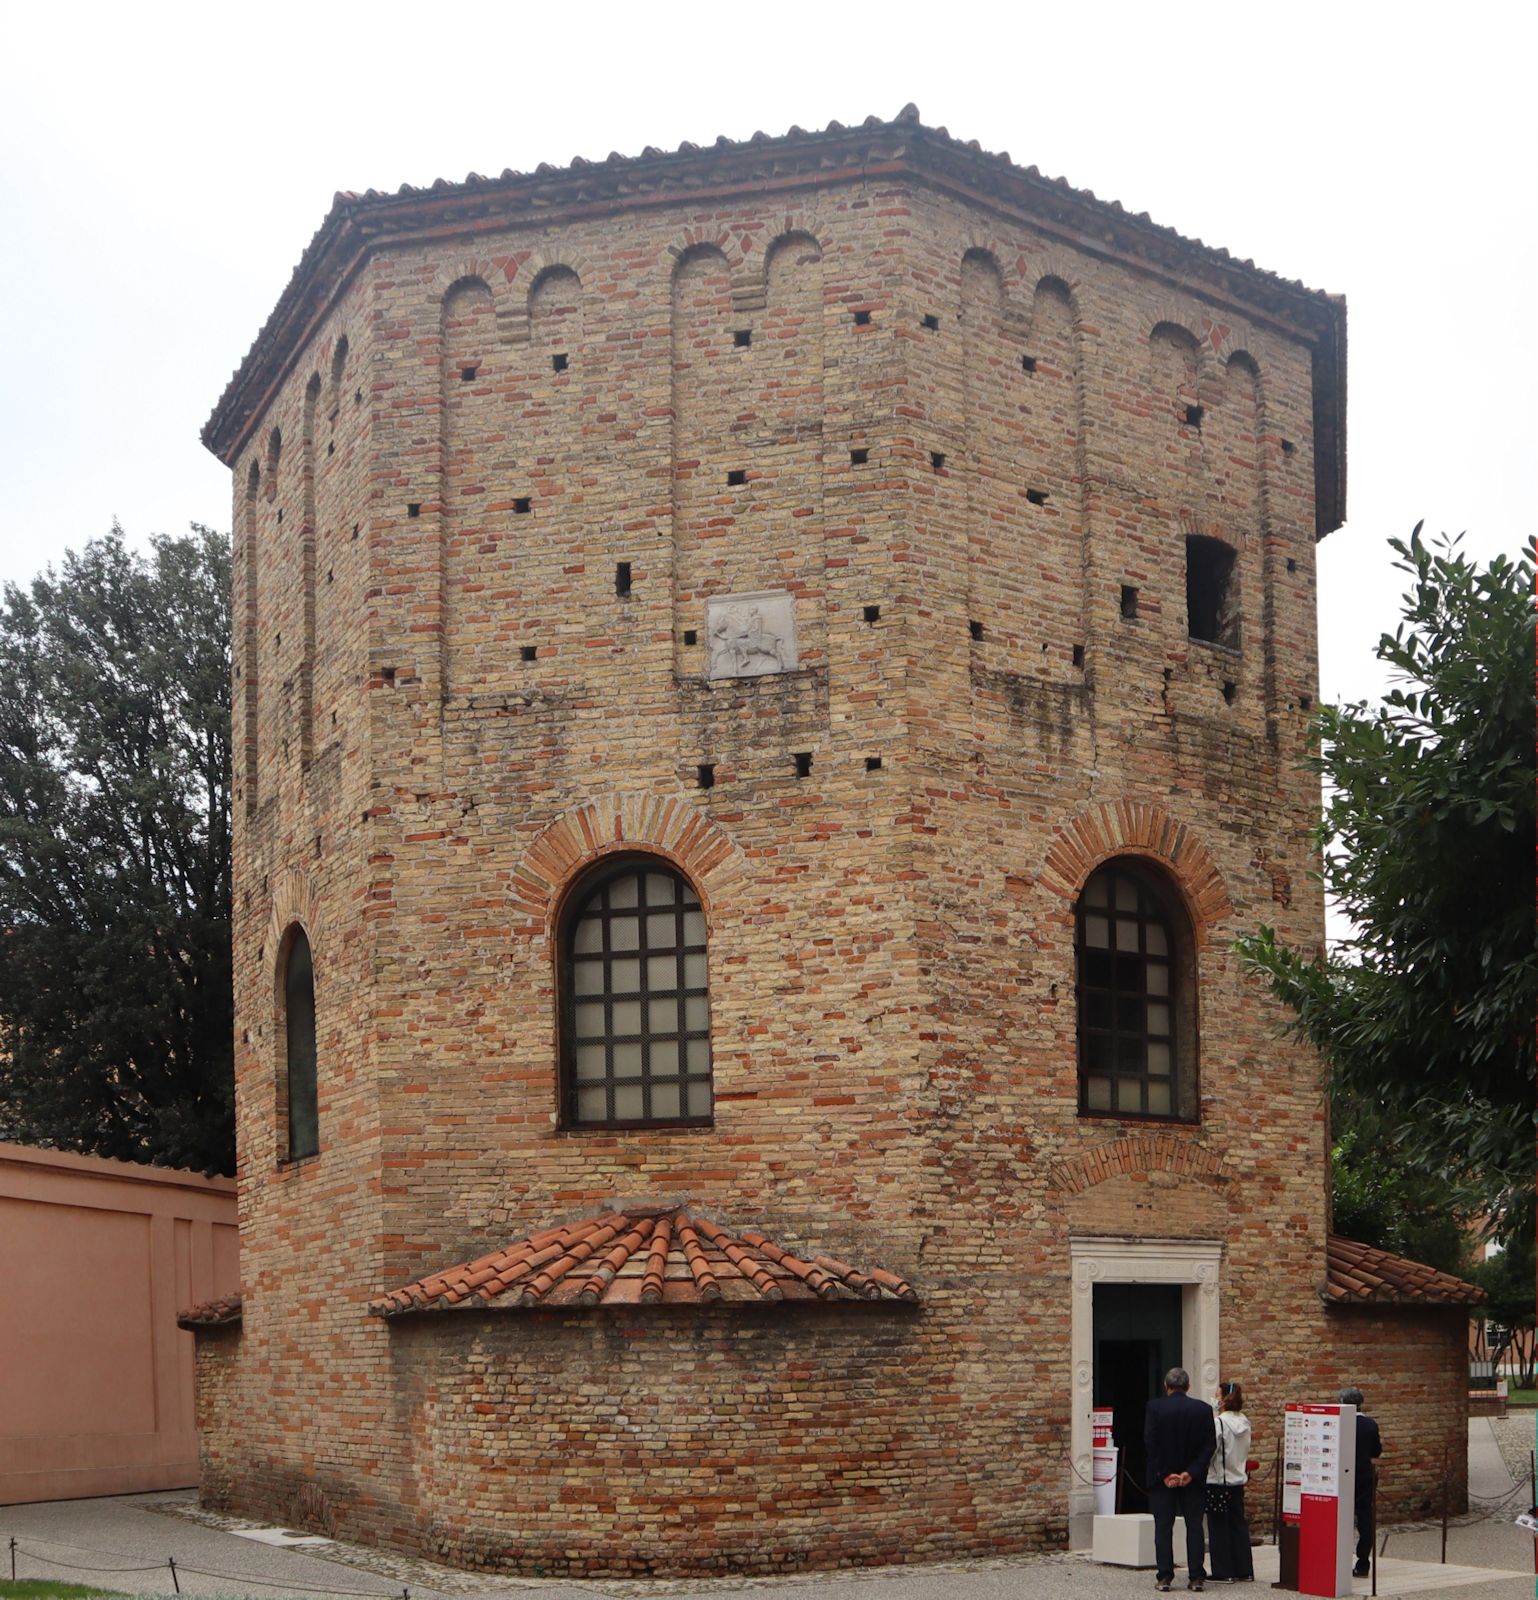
(608, 1243)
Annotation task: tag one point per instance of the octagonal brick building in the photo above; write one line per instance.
(767, 679)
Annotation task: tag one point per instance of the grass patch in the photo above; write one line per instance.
(1522, 1397)
(47, 1589)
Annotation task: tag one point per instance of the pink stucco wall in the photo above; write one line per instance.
(96, 1380)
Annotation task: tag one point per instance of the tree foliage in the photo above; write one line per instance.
(1426, 1011)
(115, 997)
(1507, 1278)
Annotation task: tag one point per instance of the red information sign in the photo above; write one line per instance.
(1318, 1484)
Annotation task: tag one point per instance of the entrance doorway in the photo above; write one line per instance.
(1137, 1334)
(1188, 1267)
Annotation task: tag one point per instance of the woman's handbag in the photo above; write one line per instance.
(1219, 1494)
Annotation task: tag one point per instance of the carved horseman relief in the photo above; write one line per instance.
(751, 634)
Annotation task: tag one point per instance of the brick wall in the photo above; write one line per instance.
(452, 711)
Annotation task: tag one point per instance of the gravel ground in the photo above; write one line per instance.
(1514, 1433)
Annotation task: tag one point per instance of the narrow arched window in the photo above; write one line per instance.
(635, 1003)
(299, 1018)
(1137, 1002)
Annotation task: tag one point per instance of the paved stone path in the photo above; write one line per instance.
(1489, 1559)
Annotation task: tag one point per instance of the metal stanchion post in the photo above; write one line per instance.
(175, 1581)
(1374, 1541)
(1444, 1505)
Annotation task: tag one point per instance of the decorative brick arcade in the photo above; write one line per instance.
(725, 640)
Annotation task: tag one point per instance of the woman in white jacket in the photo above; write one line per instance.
(1228, 1533)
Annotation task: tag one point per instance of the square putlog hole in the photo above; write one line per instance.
(862, 319)
(931, 323)
(522, 506)
(1037, 497)
(705, 773)
(560, 362)
(742, 338)
(1129, 601)
(975, 629)
(1027, 363)
(803, 761)
(467, 374)
(871, 613)
(858, 457)
(736, 478)
(527, 652)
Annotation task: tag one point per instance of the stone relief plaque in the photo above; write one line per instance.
(751, 634)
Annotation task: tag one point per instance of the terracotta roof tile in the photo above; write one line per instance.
(1360, 1274)
(211, 1313)
(668, 1255)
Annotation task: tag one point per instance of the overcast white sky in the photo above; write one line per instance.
(162, 167)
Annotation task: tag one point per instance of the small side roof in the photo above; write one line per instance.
(642, 1256)
(1361, 1274)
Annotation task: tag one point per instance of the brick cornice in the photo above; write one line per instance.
(1136, 827)
(359, 225)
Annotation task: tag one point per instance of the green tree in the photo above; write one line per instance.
(1425, 1013)
(116, 1013)
(1507, 1278)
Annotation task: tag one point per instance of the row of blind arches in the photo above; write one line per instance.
(634, 1002)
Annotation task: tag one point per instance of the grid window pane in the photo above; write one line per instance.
(637, 1018)
(1126, 984)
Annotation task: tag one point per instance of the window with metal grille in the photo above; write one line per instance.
(301, 1093)
(1136, 1013)
(635, 1001)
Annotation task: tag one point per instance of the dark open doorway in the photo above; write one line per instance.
(1137, 1340)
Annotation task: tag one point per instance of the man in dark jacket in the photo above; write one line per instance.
(1369, 1446)
(1179, 1435)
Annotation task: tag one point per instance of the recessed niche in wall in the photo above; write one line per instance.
(706, 774)
(1027, 363)
(1037, 497)
(931, 322)
(1305, 703)
(467, 374)
(975, 629)
(527, 652)
(937, 460)
(559, 362)
(1194, 415)
(742, 338)
(858, 457)
(414, 509)
(1288, 447)
(1078, 655)
(691, 636)
(622, 577)
(523, 505)
(1292, 565)
(803, 761)
(1128, 600)
(873, 763)
(1230, 691)
(872, 613)
(862, 319)
(1212, 597)
(736, 478)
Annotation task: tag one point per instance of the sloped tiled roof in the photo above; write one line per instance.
(641, 1256)
(358, 223)
(211, 1313)
(1359, 1274)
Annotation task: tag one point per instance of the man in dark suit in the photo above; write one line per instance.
(1179, 1435)
(1369, 1446)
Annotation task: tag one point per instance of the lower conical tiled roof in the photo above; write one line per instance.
(653, 1255)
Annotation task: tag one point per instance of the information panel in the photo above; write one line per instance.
(1318, 1489)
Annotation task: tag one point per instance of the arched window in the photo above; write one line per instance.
(1137, 999)
(635, 1007)
(299, 1018)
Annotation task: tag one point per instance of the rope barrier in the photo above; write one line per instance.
(175, 1567)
